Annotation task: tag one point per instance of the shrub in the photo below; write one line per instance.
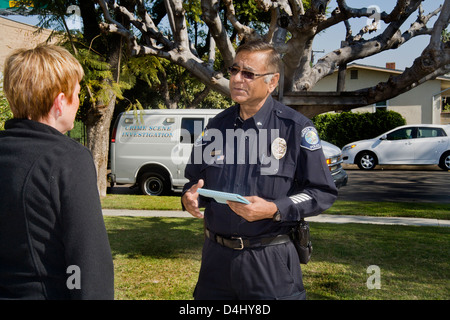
(5, 111)
(345, 127)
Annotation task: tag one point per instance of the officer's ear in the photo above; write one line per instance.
(272, 81)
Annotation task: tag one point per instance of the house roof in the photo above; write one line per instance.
(382, 69)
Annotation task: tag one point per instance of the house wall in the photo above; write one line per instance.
(15, 35)
(414, 105)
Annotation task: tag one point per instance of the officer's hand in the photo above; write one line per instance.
(258, 209)
(190, 200)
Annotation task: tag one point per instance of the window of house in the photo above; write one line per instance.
(446, 104)
(381, 105)
(353, 74)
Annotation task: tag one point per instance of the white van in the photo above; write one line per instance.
(150, 148)
(143, 145)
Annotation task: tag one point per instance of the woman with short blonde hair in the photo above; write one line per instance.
(53, 241)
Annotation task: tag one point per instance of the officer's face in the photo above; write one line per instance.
(250, 88)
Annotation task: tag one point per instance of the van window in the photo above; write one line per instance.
(194, 126)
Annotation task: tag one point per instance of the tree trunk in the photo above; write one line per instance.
(97, 131)
(170, 101)
(99, 119)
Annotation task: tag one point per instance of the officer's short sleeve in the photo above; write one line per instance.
(315, 191)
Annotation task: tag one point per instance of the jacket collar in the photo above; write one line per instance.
(260, 118)
(26, 124)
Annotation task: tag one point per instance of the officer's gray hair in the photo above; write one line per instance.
(268, 78)
(273, 58)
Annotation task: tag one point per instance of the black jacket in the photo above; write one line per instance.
(52, 234)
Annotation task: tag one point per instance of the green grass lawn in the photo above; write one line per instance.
(386, 209)
(159, 259)
(155, 258)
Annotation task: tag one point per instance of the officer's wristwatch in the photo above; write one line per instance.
(277, 216)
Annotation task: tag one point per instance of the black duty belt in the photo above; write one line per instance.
(238, 243)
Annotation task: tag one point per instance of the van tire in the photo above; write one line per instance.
(153, 184)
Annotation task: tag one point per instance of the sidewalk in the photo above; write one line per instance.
(320, 218)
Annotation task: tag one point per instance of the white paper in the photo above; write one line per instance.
(222, 197)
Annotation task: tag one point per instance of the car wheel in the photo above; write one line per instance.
(366, 161)
(153, 184)
(444, 163)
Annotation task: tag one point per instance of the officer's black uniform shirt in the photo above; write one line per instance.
(237, 156)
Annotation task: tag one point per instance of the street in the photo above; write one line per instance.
(385, 183)
(397, 184)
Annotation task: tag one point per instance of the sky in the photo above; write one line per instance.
(330, 39)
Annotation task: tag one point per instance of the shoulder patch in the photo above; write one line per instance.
(310, 139)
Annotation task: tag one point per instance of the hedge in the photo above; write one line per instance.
(343, 128)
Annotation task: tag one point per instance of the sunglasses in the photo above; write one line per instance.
(246, 74)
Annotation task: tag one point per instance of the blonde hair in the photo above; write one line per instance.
(33, 78)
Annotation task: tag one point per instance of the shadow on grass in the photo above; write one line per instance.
(413, 261)
(133, 237)
(395, 246)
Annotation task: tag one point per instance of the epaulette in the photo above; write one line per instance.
(285, 112)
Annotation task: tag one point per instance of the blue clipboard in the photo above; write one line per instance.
(222, 197)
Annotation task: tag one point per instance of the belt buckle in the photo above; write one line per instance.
(241, 243)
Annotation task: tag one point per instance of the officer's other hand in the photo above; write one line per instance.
(190, 200)
(258, 209)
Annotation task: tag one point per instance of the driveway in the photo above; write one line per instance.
(397, 183)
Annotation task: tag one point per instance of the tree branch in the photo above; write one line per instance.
(290, 16)
(217, 30)
(433, 62)
(389, 39)
(440, 25)
(199, 98)
(244, 32)
(177, 20)
(179, 54)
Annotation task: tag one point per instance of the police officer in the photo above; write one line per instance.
(270, 154)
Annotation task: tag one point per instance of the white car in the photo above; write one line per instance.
(410, 144)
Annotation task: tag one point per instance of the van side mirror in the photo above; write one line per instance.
(383, 137)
